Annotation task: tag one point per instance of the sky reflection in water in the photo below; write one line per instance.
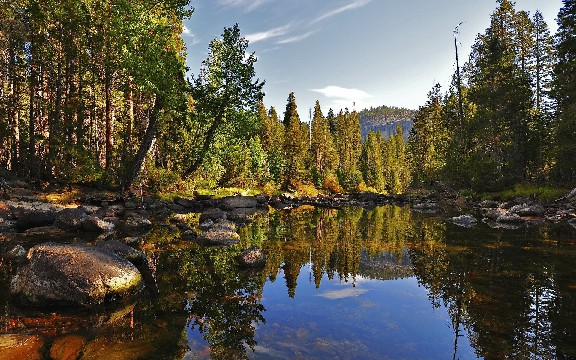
(358, 319)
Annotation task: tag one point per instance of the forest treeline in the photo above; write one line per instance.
(509, 115)
(96, 92)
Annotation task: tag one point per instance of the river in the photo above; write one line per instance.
(382, 283)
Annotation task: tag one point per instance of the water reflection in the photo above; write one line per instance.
(352, 283)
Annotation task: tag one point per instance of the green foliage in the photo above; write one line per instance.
(323, 151)
(159, 179)
(372, 164)
(564, 91)
(296, 144)
(349, 147)
(429, 139)
(224, 88)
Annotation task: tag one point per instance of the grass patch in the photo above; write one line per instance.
(545, 194)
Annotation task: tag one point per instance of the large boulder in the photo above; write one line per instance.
(31, 218)
(70, 219)
(75, 275)
(235, 202)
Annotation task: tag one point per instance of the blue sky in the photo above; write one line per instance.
(346, 52)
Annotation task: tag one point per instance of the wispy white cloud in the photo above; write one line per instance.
(191, 39)
(248, 5)
(354, 5)
(264, 35)
(338, 92)
(294, 39)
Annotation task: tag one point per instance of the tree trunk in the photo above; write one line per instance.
(32, 170)
(207, 141)
(146, 145)
(108, 91)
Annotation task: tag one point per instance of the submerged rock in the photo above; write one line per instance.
(13, 346)
(76, 275)
(219, 237)
(253, 258)
(17, 254)
(212, 214)
(68, 347)
(136, 224)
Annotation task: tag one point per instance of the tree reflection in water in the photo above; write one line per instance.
(510, 292)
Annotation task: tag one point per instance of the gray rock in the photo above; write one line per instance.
(425, 206)
(70, 219)
(465, 220)
(492, 214)
(235, 202)
(17, 254)
(28, 219)
(499, 225)
(94, 224)
(74, 275)
(223, 224)
(136, 224)
(241, 215)
(206, 224)
(253, 258)
(510, 218)
(528, 210)
(262, 199)
(212, 214)
(489, 204)
(189, 235)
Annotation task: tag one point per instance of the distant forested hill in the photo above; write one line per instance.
(385, 119)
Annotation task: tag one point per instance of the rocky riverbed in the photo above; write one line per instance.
(54, 254)
(93, 220)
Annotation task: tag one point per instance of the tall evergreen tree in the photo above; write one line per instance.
(501, 90)
(322, 146)
(372, 162)
(429, 138)
(296, 144)
(564, 91)
(349, 146)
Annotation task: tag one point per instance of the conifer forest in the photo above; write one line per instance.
(97, 92)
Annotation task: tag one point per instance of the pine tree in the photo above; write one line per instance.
(501, 90)
(564, 91)
(372, 163)
(349, 146)
(322, 147)
(296, 144)
(429, 138)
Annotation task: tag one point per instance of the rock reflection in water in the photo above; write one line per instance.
(384, 282)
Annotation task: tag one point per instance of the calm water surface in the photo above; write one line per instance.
(385, 283)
